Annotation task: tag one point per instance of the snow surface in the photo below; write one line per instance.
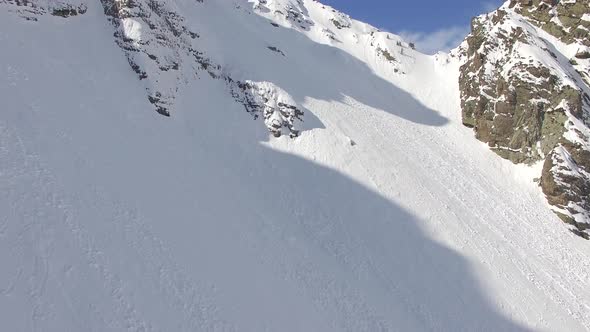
(114, 218)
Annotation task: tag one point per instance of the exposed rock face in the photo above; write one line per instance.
(569, 21)
(565, 183)
(67, 10)
(525, 96)
(563, 19)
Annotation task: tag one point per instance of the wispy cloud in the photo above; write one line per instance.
(441, 40)
(445, 39)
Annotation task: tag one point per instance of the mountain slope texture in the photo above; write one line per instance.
(275, 165)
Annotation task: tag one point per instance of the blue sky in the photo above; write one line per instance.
(433, 24)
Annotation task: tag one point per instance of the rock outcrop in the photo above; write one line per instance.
(159, 47)
(275, 105)
(292, 12)
(524, 90)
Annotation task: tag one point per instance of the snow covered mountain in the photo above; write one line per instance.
(274, 165)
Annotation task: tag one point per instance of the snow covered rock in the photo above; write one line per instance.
(528, 100)
(566, 20)
(274, 104)
(565, 183)
(290, 12)
(158, 46)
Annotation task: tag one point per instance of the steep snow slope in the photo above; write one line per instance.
(384, 214)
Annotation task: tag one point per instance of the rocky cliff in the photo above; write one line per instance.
(525, 91)
(524, 81)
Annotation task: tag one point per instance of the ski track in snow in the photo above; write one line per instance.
(465, 192)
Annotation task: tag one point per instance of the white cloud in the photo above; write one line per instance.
(445, 39)
(441, 40)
